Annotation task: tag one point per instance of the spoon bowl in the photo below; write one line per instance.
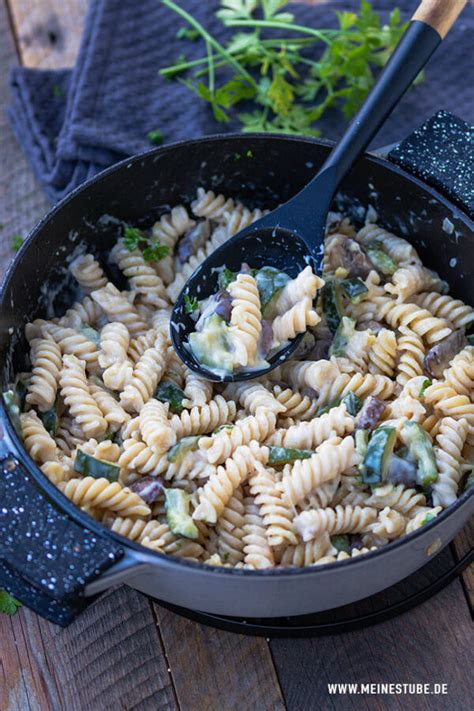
(258, 246)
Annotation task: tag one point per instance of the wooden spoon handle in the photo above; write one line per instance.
(439, 14)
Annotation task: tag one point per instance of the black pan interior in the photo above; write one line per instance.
(259, 170)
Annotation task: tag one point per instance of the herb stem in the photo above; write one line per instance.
(210, 39)
(324, 35)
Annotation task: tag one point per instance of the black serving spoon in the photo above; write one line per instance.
(291, 236)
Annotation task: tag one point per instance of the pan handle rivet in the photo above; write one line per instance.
(434, 547)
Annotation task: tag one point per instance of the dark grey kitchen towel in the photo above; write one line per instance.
(73, 123)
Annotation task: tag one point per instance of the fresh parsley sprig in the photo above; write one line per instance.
(283, 87)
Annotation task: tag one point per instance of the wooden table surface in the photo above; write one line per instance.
(127, 652)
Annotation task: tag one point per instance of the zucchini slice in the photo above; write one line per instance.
(98, 468)
(177, 514)
(377, 456)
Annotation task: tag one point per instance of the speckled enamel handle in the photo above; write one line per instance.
(437, 153)
(439, 14)
(46, 560)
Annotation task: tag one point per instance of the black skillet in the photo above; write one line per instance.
(55, 558)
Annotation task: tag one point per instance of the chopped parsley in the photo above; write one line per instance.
(190, 304)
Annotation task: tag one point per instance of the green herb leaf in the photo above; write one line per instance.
(287, 88)
(155, 137)
(8, 604)
(16, 242)
(155, 252)
(190, 304)
(425, 384)
(133, 238)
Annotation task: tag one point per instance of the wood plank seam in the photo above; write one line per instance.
(165, 653)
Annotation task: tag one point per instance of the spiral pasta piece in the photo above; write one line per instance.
(276, 514)
(221, 485)
(257, 552)
(230, 530)
(106, 450)
(309, 553)
(167, 231)
(141, 343)
(38, 442)
(422, 517)
(308, 435)
(72, 342)
(208, 204)
(88, 273)
(411, 352)
(156, 430)
(141, 275)
(46, 361)
(136, 529)
(306, 284)
(160, 322)
(239, 218)
(455, 311)
(300, 407)
(114, 343)
(342, 519)
(101, 494)
(246, 318)
(85, 312)
(450, 403)
(145, 377)
(359, 384)
(396, 247)
(383, 353)
(390, 524)
(56, 471)
(112, 411)
(201, 420)
(119, 308)
(331, 459)
(413, 278)
(460, 374)
(450, 441)
(296, 320)
(220, 446)
(421, 321)
(197, 390)
(77, 397)
(405, 501)
(253, 397)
